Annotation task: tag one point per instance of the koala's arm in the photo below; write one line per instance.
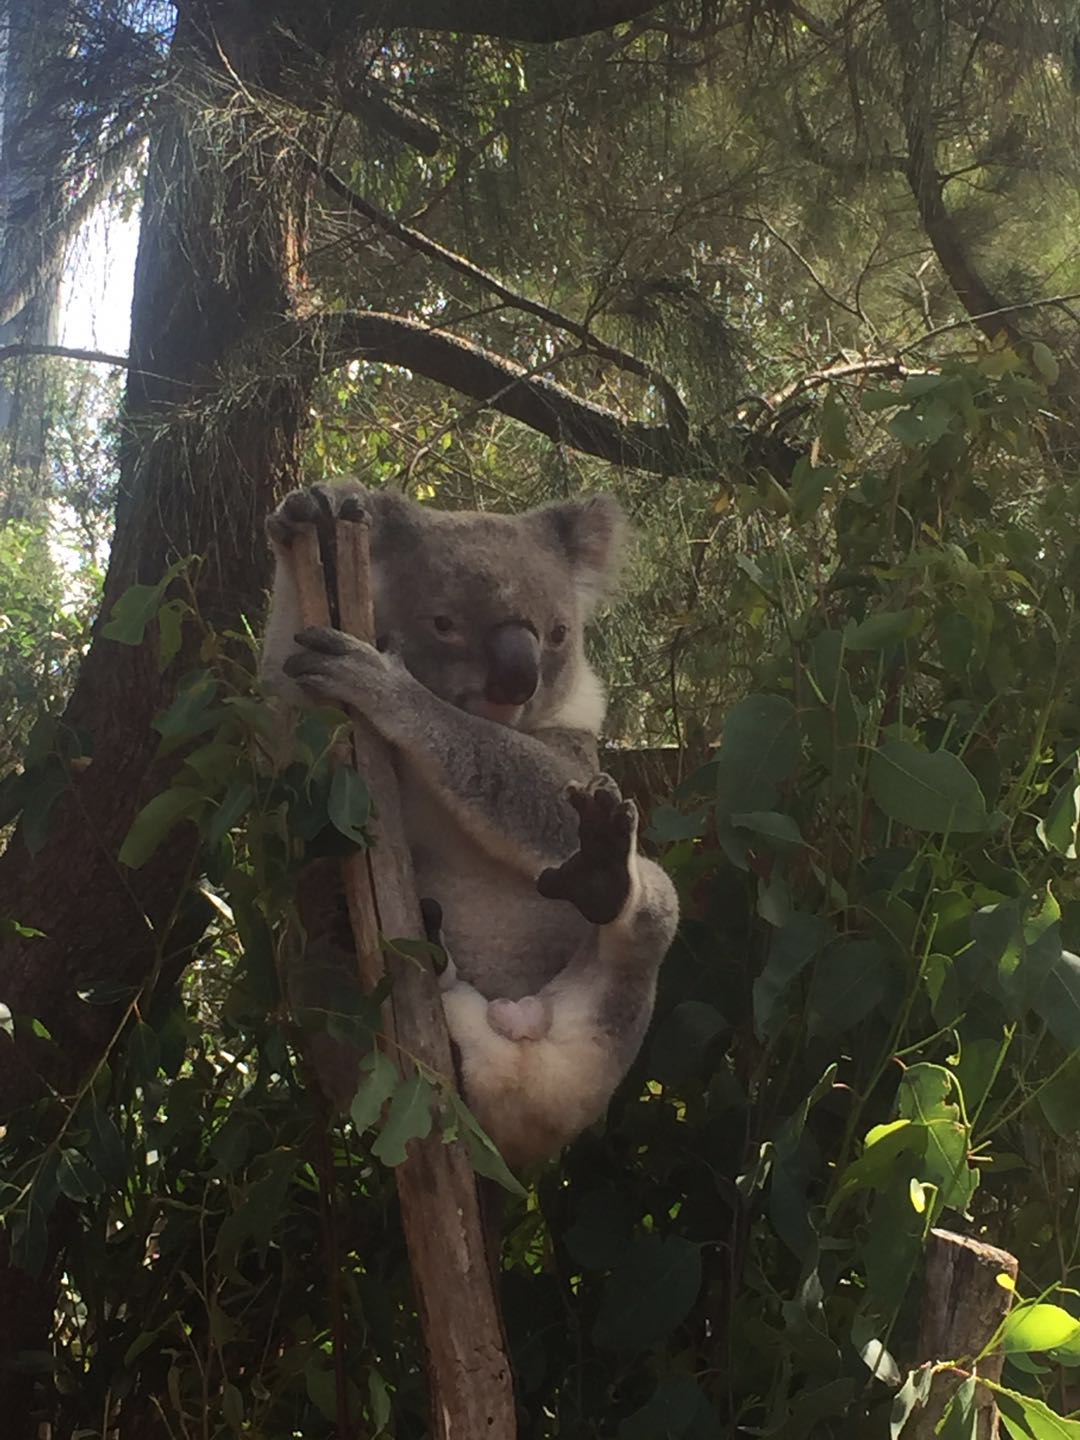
(505, 787)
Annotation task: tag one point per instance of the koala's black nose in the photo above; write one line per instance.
(513, 653)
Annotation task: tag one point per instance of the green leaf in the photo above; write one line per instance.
(379, 1081)
(649, 1292)
(961, 1418)
(674, 1405)
(1026, 1418)
(759, 749)
(77, 1178)
(155, 820)
(132, 613)
(1059, 1100)
(143, 1050)
(682, 1039)
(349, 805)
(484, 1154)
(920, 427)
(1042, 357)
(232, 1407)
(926, 790)
(832, 428)
(779, 831)
(911, 1396)
(667, 825)
(887, 627)
(170, 631)
(379, 1406)
(409, 1118)
(234, 805)
(850, 980)
(1058, 831)
(1038, 1327)
(190, 714)
(801, 940)
(1058, 1002)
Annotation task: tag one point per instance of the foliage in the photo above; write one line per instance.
(869, 1023)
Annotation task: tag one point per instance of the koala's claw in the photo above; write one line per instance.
(597, 877)
(301, 508)
(328, 641)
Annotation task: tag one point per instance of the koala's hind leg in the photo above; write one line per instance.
(539, 1069)
(607, 990)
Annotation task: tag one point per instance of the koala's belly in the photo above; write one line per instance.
(504, 938)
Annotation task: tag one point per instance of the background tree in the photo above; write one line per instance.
(488, 253)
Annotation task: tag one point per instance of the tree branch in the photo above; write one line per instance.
(64, 352)
(542, 21)
(416, 240)
(927, 185)
(331, 340)
(335, 339)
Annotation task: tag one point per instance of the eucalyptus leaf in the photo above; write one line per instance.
(926, 790)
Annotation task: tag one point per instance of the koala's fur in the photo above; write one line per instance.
(511, 828)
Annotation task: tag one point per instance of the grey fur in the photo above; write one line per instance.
(485, 799)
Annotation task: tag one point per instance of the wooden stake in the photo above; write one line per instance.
(471, 1384)
(963, 1305)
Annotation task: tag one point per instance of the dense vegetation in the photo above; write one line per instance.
(814, 268)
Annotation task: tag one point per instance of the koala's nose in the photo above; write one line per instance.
(513, 654)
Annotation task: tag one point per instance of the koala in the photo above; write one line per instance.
(556, 925)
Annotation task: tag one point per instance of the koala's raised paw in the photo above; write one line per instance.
(597, 878)
(315, 505)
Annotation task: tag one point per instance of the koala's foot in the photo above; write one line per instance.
(597, 879)
(319, 503)
(525, 1019)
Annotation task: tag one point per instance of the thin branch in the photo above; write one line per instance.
(370, 102)
(808, 267)
(416, 240)
(845, 370)
(978, 320)
(65, 352)
(541, 21)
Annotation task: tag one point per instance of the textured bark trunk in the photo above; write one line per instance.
(199, 469)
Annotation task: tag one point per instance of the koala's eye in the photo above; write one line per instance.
(558, 635)
(443, 624)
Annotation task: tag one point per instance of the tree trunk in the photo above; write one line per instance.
(199, 470)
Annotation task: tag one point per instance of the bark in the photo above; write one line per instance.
(963, 1305)
(192, 483)
(915, 47)
(470, 1385)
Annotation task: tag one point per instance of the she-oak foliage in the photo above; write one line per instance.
(870, 1024)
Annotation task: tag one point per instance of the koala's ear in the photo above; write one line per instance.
(396, 523)
(590, 531)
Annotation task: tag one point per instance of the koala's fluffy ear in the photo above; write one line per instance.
(590, 531)
(396, 523)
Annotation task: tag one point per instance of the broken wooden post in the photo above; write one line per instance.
(470, 1381)
(963, 1305)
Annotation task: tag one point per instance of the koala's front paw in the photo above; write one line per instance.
(598, 878)
(339, 668)
(301, 508)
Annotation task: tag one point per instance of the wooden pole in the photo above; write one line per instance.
(471, 1384)
(963, 1305)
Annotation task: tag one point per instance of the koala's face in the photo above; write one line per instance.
(489, 611)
